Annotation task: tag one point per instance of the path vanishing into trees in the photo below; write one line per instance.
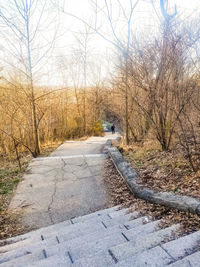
(66, 184)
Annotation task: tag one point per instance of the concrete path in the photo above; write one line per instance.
(66, 184)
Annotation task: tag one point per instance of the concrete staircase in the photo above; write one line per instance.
(109, 237)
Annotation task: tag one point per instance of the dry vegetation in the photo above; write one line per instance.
(59, 117)
(154, 94)
(120, 194)
(156, 90)
(157, 98)
(162, 133)
(163, 170)
(33, 118)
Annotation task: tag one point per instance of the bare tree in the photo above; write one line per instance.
(84, 52)
(122, 43)
(23, 37)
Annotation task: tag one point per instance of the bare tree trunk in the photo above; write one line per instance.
(35, 126)
(84, 89)
(17, 154)
(126, 102)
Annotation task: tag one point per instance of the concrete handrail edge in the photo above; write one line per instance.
(168, 199)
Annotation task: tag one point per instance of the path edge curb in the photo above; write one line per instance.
(168, 199)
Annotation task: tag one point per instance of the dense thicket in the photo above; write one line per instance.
(162, 77)
(59, 115)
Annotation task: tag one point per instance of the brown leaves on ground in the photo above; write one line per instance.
(164, 171)
(119, 193)
(9, 225)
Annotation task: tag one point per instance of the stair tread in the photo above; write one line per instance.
(74, 232)
(179, 247)
(58, 261)
(88, 238)
(142, 243)
(96, 214)
(154, 257)
(104, 238)
(192, 260)
(98, 260)
(36, 236)
(88, 248)
(19, 259)
(53, 226)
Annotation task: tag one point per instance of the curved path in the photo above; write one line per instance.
(66, 184)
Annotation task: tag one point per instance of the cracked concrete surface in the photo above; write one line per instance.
(66, 184)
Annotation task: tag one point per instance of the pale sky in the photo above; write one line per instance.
(60, 63)
(145, 19)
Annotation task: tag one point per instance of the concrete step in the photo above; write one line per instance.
(88, 222)
(86, 249)
(32, 260)
(85, 227)
(86, 237)
(118, 213)
(168, 254)
(100, 243)
(95, 258)
(183, 246)
(104, 218)
(21, 247)
(58, 261)
(95, 235)
(28, 238)
(192, 260)
(102, 259)
(62, 250)
(155, 257)
(137, 228)
(23, 259)
(34, 233)
(141, 230)
(72, 231)
(142, 243)
(51, 228)
(96, 223)
(104, 238)
(98, 213)
(99, 260)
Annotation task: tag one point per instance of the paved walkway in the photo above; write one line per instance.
(66, 184)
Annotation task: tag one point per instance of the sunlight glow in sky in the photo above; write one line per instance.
(66, 58)
(145, 20)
